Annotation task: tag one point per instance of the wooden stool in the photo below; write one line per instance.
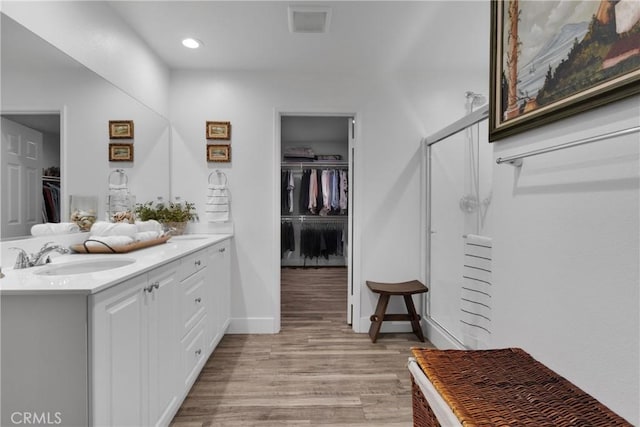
(406, 289)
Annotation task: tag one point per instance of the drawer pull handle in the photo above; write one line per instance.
(151, 287)
(197, 263)
(198, 351)
(222, 249)
(198, 300)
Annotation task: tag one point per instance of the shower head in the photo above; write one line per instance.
(475, 99)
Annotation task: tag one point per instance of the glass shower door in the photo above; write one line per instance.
(459, 176)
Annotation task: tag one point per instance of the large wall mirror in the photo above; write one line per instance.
(55, 114)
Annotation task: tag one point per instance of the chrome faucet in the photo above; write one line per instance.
(41, 258)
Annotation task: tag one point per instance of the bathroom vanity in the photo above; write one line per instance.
(119, 346)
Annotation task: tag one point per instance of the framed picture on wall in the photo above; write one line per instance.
(218, 153)
(219, 130)
(120, 129)
(120, 152)
(551, 60)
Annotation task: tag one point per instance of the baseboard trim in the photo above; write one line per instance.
(253, 325)
(438, 336)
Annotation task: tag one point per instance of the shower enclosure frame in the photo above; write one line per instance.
(437, 334)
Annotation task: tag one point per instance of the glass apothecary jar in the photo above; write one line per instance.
(120, 203)
(83, 211)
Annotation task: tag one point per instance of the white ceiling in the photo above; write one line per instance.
(364, 36)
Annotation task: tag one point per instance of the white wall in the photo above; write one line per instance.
(566, 253)
(391, 123)
(95, 35)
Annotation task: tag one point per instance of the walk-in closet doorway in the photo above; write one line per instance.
(315, 162)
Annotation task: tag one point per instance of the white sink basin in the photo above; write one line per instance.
(84, 266)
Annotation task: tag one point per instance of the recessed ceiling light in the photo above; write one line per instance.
(191, 43)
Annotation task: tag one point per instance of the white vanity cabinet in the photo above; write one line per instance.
(152, 335)
(113, 348)
(133, 336)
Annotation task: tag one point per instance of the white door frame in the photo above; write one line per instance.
(354, 263)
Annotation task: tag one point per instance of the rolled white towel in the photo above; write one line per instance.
(112, 241)
(103, 228)
(150, 225)
(143, 236)
(54, 228)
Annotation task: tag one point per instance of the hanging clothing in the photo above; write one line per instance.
(287, 239)
(313, 191)
(326, 192)
(320, 240)
(335, 190)
(344, 190)
(286, 192)
(319, 196)
(283, 191)
(304, 191)
(50, 202)
(290, 187)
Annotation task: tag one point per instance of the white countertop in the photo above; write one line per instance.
(26, 282)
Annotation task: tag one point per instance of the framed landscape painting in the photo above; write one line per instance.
(218, 130)
(120, 129)
(554, 59)
(120, 152)
(218, 153)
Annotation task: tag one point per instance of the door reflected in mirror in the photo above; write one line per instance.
(31, 172)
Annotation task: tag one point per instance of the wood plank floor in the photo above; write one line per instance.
(316, 371)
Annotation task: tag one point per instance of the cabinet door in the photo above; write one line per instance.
(164, 353)
(118, 340)
(218, 278)
(212, 327)
(222, 269)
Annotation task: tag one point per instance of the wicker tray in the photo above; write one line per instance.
(82, 248)
(505, 387)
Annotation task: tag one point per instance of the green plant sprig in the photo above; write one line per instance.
(169, 212)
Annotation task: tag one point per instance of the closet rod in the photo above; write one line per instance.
(516, 160)
(314, 218)
(315, 165)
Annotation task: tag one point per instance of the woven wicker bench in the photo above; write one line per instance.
(505, 387)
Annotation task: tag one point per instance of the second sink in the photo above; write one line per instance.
(84, 266)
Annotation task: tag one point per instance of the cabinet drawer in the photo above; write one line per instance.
(192, 264)
(193, 353)
(194, 299)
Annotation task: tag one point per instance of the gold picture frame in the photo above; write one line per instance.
(218, 130)
(536, 80)
(120, 129)
(120, 152)
(218, 153)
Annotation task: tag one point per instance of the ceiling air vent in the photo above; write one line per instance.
(309, 19)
